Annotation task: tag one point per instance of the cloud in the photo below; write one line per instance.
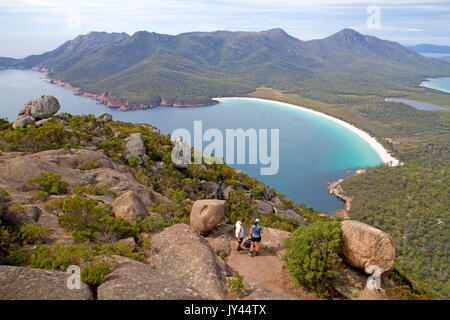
(306, 19)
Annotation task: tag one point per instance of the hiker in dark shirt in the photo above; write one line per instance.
(255, 234)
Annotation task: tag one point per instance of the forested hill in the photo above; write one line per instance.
(191, 68)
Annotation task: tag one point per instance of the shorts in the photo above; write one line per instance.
(239, 240)
(256, 239)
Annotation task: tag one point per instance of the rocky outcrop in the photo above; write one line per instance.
(135, 147)
(18, 283)
(364, 245)
(221, 239)
(105, 117)
(180, 253)
(42, 107)
(23, 121)
(130, 207)
(133, 280)
(289, 214)
(21, 215)
(336, 189)
(264, 207)
(59, 235)
(206, 214)
(211, 189)
(18, 168)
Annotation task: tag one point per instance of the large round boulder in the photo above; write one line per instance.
(364, 245)
(130, 207)
(42, 107)
(206, 214)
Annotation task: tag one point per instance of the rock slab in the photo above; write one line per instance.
(134, 280)
(17, 283)
(179, 252)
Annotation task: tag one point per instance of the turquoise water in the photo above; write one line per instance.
(442, 84)
(313, 150)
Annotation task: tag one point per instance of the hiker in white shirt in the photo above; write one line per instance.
(240, 233)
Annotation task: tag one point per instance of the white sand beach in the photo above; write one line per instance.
(380, 150)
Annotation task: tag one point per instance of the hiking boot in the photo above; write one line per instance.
(250, 254)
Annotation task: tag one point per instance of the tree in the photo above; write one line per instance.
(311, 253)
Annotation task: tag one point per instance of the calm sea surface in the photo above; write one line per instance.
(442, 84)
(313, 150)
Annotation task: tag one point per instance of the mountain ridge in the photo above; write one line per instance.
(143, 69)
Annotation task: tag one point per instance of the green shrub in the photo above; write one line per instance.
(48, 182)
(40, 195)
(88, 220)
(61, 257)
(311, 253)
(405, 293)
(17, 209)
(133, 162)
(151, 224)
(54, 206)
(88, 165)
(54, 258)
(236, 283)
(33, 233)
(95, 273)
(5, 195)
(95, 189)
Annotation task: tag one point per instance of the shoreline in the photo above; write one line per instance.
(429, 80)
(375, 145)
(110, 101)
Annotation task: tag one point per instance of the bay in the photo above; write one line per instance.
(313, 150)
(441, 84)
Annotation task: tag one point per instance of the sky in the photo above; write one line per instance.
(36, 26)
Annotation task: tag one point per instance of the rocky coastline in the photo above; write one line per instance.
(336, 189)
(113, 102)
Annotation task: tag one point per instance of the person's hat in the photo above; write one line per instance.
(257, 221)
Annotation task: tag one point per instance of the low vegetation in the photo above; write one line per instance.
(236, 284)
(311, 254)
(88, 165)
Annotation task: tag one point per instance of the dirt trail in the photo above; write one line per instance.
(265, 270)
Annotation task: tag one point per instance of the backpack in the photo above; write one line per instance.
(248, 243)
